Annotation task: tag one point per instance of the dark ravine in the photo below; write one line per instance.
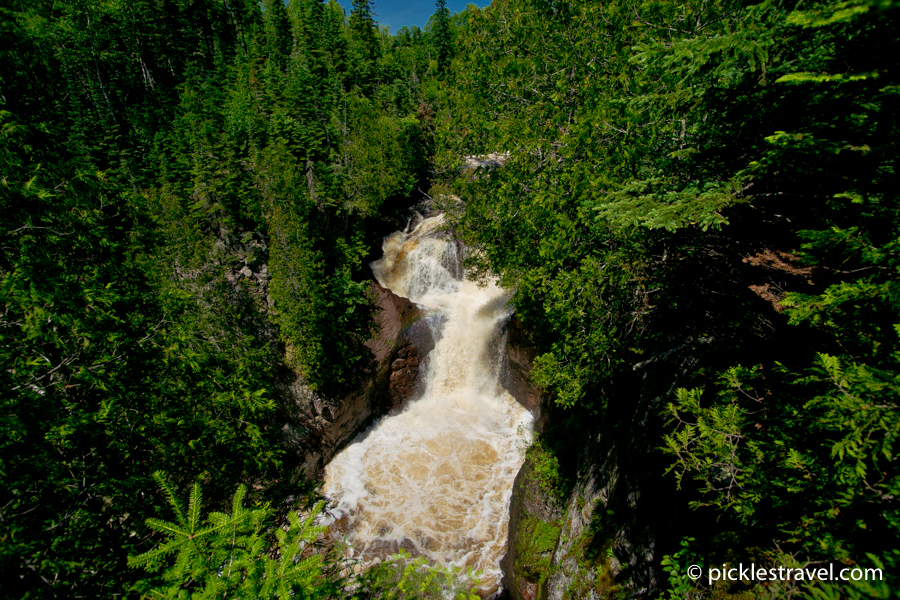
(599, 539)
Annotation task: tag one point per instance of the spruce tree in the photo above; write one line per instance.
(279, 39)
(363, 28)
(443, 43)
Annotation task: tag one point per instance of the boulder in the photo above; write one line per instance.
(404, 375)
(493, 160)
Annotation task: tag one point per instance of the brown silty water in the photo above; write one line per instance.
(435, 479)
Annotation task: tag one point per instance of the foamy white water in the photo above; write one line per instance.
(436, 478)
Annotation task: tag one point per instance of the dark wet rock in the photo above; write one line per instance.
(517, 379)
(404, 375)
(618, 512)
(535, 514)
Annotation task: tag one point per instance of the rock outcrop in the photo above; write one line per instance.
(618, 509)
(535, 514)
(517, 379)
(411, 357)
(404, 375)
(494, 160)
(321, 426)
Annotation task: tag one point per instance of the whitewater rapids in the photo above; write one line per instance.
(436, 478)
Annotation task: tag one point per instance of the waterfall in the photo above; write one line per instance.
(436, 478)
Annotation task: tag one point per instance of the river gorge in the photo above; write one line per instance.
(435, 476)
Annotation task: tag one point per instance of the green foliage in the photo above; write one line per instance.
(149, 152)
(834, 448)
(378, 166)
(658, 152)
(229, 553)
(676, 567)
(807, 455)
(364, 45)
(324, 316)
(440, 31)
(718, 430)
(399, 577)
(546, 470)
(535, 543)
(110, 377)
(857, 590)
(838, 12)
(669, 209)
(833, 451)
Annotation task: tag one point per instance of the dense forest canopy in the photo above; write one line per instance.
(715, 177)
(147, 147)
(718, 177)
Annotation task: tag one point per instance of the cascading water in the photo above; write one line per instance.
(436, 478)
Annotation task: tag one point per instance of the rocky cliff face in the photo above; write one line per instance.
(321, 426)
(535, 516)
(517, 378)
(601, 538)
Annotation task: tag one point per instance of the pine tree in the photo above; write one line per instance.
(231, 553)
(279, 39)
(364, 28)
(443, 42)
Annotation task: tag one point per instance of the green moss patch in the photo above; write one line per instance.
(535, 544)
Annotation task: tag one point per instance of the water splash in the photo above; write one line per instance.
(436, 478)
